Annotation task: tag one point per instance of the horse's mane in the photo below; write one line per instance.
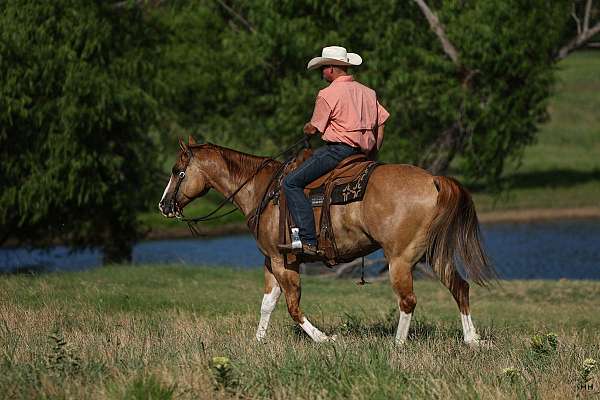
(239, 165)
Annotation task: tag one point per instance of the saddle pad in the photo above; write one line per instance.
(344, 193)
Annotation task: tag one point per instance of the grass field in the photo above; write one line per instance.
(151, 332)
(563, 168)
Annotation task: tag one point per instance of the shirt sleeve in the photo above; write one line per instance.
(382, 114)
(321, 114)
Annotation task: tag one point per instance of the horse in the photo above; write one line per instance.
(409, 213)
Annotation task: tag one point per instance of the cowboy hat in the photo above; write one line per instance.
(335, 55)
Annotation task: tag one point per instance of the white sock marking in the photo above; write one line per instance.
(268, 305)
(469, 332)
(313, 332)
(403, 325)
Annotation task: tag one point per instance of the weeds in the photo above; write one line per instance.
(62, 360)
(544, 345)
(222, 372)
(587, 369)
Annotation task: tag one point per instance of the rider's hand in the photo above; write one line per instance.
(309, 129)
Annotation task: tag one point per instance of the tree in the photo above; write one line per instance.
(239, 68)
(79, 91)
(505, 88)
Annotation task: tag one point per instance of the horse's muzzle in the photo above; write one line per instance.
(169, 209)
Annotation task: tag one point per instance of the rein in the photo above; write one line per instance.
(192, 222)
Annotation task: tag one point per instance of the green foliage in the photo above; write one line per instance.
(240, 76)
(78, 95)
(544, 344)
(92, 95)
(222, 372)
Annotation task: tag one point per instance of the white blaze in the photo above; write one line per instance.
(167, 189)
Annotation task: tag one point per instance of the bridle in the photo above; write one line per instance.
(180, 177)
(211, 215)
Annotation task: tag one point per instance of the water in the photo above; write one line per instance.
(542, 250)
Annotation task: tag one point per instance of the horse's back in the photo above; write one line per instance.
(398, 206)
(403, 182)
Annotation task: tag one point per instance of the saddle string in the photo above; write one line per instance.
(362, 273)
(192, 222)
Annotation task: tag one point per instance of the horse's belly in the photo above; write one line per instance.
(350, 238)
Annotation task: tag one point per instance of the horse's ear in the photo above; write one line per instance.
(182, 144)
(191, 140)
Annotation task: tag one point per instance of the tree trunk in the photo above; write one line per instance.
(117, 250)
(442, 151)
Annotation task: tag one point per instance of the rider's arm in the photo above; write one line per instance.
(320, 116)
(378, 142)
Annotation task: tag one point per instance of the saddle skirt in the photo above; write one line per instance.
(344, 184)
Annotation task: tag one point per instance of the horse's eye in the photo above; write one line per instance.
(181, 174)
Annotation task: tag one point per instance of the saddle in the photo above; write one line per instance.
(345, 184)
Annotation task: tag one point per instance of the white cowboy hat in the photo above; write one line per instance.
(335, 55)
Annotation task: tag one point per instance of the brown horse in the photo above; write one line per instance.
(405, 210)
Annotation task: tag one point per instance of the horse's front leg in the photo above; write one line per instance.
(289, 280)
(270, 298)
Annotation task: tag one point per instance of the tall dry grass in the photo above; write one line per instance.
(152, 332)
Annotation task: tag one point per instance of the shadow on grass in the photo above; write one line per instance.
(553, 178)
(353, 326)
(32, 270)
(539, 179)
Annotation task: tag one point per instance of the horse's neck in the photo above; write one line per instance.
(232, 170)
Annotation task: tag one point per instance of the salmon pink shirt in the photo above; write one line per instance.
(347, 111)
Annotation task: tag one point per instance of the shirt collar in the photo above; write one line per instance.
(343, 78)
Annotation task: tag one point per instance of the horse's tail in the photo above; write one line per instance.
(455, 229)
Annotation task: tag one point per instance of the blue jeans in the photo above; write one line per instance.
(323, 160)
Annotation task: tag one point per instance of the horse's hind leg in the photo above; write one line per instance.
(270, 297)
(460, 291)
(402, 282)
(289, 280)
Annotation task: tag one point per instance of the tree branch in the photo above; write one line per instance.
(577, 42)
(577, 20)
(137, 3)
(586, 17)
(438, 28)
(237, 16)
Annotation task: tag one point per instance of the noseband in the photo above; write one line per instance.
(180, 177)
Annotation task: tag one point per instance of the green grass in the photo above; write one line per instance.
(562, 170)
(151, 332)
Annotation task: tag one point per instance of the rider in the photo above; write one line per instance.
(350, 119)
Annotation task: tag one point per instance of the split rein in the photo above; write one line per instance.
(192, 222)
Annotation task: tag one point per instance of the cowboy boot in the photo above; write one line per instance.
(307, 249)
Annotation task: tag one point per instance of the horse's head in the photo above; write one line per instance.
(187, 182)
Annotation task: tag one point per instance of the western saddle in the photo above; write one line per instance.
(344, 184)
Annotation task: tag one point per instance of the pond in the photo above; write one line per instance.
(542, 250)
